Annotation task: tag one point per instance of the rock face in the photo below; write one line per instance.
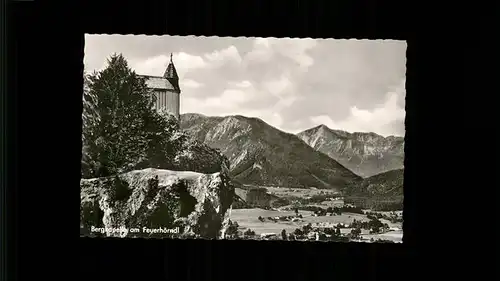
(262, 155)
(196, 156)
(366, 154)
(188, 204)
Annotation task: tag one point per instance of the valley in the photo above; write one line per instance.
(318, 185)
(311, 215)
(248, 219)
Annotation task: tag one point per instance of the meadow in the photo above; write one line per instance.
(248, 219)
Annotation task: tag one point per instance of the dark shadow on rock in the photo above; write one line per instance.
(187, 202)
(209, 225)
(91, 215)
(119, 190)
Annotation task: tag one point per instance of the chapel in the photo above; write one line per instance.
(165, 90)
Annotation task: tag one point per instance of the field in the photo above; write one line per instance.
(298, 192)
(248, 219)
(294, 193)
(276, 218)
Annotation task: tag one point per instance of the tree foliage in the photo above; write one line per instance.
(121, 130)
(249, 232)
(232, 229)
(283, 235)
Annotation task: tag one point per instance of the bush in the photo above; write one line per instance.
(307, 228)
(232, 230)
(355, 232)
(315, 209)
(375, 223)
(318, 198)
(352, 209)
(298, 232)
(249, 232)
(283, 235)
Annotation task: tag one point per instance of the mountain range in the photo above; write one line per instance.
(262, 155)
(366, 154)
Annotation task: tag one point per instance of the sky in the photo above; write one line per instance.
(292, 84)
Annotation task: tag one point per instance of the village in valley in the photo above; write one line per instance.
(314, 215)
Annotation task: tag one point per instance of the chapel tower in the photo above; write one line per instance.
(171, 74)
(165, 89)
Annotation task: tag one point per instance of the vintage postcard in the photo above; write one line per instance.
(243, 138)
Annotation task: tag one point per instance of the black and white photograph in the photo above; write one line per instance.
(243, 138)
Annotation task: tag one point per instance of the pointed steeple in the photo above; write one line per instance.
(171, 74)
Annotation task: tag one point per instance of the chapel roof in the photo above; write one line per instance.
(169, 81)
(158, 83)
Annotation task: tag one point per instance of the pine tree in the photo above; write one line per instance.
(121, 131)
(90, 120)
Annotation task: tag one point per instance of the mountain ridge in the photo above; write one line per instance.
(364, 153)
(353, 133)
(264, 155)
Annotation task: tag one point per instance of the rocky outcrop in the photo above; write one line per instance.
(196, 156)
(156, 203)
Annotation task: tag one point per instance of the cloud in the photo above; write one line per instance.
(230, 98)
(239, 98)
(228, 79)
(266, 50)
(241, 84)
(297, 50)
(188, 62)
(385, 119)
(293, 84)
(347, 74)
(278, 86)
(188, 83)
(273, 86)
(261, 52)
(219, 57)
(156, 65)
